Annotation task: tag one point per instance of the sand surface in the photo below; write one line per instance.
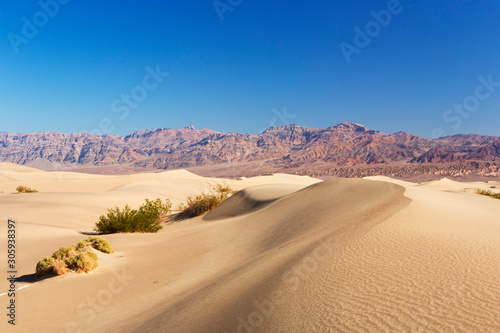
(286, 254)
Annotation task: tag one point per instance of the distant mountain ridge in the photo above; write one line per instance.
(281, 147)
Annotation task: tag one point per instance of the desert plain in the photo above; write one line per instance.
(284, 254)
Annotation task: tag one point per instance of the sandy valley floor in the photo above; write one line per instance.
(286, 254)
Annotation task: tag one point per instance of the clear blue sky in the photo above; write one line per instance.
(230, 74)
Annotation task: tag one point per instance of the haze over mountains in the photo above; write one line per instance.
(346, 149)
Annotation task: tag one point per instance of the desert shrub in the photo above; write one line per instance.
(205, 202)
(222, 190)
(489, 193)
(82, 245)
(156, 207)
(116, 220)
(484, 192)
(82, 262)
(25, 189)
(44, 266)
(100, 244)
(64, 252)
(146, 218)
(59, 267)
(77, 258)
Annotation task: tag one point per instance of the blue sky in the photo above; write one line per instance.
(248, 65)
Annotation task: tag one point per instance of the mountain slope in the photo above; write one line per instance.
(283, 147)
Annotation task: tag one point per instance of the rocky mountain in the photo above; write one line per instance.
(488, 152)
(466, 141)
(436, 155)
(293, 148)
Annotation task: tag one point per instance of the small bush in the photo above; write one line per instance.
(484, 192)
(489, 193)
(146, 218)
(44, 266)
(82, 262)
(83, 244)
(100, 244)
(205, 202)
(59, 267)
(77, 258)
(25, 189)
(64, 252)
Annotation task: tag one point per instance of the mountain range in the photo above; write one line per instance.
(346, 149)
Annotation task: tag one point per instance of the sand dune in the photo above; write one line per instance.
(6, 166)
(250, 200)
(285, 254)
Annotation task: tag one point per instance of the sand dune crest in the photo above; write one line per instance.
(285, 254)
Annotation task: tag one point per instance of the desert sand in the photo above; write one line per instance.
(285, 254)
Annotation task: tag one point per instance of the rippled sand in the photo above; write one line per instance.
(286, 254)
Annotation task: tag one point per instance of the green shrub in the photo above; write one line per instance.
(82, 262)
(25, 189)
(82, 244)
(489, 193)
(100, 244)
(146, 218)
(64, 252)
(222, 190)
(77, 258)
(205, 202)
(44, 266)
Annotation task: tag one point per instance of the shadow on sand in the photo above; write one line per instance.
(32, 278)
